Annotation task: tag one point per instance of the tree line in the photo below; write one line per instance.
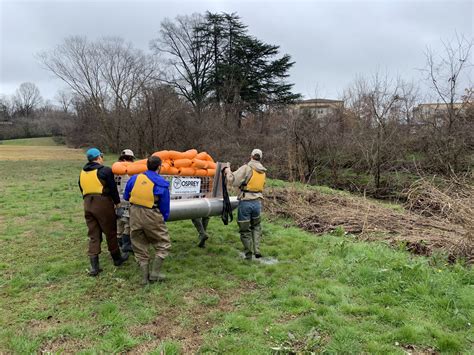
(208, 83)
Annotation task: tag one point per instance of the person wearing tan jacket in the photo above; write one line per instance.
(250, 178)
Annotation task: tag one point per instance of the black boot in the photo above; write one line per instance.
(202, 240)
(95, 268)
(118, 258)
(126, 244)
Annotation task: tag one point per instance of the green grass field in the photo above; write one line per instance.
(326, 294)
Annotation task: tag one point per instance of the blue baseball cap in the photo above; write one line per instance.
(93, 153)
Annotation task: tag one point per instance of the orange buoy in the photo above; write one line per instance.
(162, 154)
(201, 172)
(134, 168)
(200, 164)
(211, 172)
(175, 155)
(120, 167)
(187, 171)
(189, 154)
(182, 163)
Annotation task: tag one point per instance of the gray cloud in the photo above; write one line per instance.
(331, 42)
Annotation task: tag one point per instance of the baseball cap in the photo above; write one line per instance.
(93, 153)
(257, 152)
(127, 152)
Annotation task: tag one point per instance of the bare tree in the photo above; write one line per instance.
(65, 100)
(6, 108)
(187, 50)
(374, 102)
(107, 74)
(448, 74)
(26, 99)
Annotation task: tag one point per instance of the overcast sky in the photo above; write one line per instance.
(331, 42)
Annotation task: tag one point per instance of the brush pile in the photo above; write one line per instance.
(322, 212)
(452, 200)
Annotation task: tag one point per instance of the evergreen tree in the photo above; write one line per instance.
(219, 62)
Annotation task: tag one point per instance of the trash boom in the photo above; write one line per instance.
(197, 197)
(198, 207)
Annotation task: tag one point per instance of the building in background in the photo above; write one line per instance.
(318, 107)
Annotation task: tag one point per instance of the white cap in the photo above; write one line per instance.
(128, 152)
(257, 152)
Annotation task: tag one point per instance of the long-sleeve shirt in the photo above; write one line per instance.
(160, 191)
(242, 176)
(106, 177)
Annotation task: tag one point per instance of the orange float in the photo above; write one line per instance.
(203, 156)
(189, 154)
(134, 169)
(162, 154)
(189, 163)
(200, 172)
(187, 171)
(182, 163)
(200, 164)
(120, 167)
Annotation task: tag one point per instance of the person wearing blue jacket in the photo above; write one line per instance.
(149, 198)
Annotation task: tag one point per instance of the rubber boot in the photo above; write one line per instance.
(201, 224)
(256, 228)
(145, 273)
(246, 238)
(155, 270)
(126, 244)
(95, 268)
(118, 258)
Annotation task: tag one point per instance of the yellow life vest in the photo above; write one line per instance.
(255, 183)
(142, 192)
(90, 183)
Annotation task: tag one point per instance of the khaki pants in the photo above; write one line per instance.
(147, 229)
(123, 227)
(99, 213)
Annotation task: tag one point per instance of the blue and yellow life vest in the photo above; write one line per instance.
(142, 192)
(90, 183)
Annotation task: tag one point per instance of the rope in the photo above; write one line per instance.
(227, 215)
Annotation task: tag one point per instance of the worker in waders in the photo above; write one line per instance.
(201, 226)
(149, 198)
(123, 211)
(100, 194)
(250, 178)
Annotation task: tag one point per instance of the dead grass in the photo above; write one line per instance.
(15, 153)
(319, 213)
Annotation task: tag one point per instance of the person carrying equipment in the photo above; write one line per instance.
(99, 192)
(123, 220)
(250, 178)
(149, 198)
(201, 226)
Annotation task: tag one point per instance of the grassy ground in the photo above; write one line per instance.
(325, 294)
(41, 141)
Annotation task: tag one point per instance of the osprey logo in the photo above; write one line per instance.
(177, 183)
(185, 186)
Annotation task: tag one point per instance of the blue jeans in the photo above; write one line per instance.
(249, 209)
